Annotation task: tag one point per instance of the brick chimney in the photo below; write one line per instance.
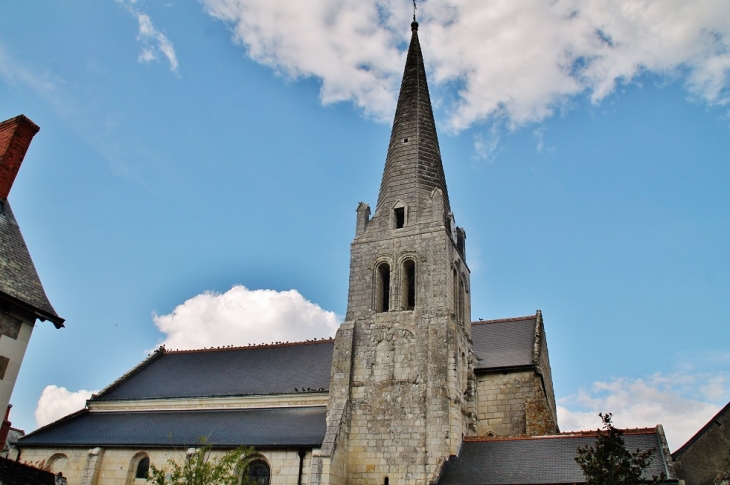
(15, 137)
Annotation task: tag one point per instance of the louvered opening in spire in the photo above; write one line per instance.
(413, 167)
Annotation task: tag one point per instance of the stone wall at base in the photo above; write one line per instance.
(116, 466)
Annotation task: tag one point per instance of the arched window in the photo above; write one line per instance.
(382, 288)
(408, 285)
(143, 468)
(258, 472)
(139, 468)
(58, 463)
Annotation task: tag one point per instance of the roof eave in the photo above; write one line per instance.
(509, 368)
(42, 315)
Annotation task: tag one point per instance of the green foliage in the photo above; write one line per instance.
(199, 468)
(608, 462)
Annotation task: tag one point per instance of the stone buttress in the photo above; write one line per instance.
(402, 377)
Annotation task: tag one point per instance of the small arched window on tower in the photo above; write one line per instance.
(382, 287)
(408, 285)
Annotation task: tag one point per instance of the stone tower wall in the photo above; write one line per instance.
(410, 379)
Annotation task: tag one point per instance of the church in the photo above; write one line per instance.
(409, 392)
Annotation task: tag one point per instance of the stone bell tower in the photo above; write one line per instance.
(402, 378)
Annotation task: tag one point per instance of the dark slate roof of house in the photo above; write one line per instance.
(262, 428)
(241, 371)
(19, 282)
(504, 343)
(539, 460)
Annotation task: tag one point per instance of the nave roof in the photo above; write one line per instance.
(262, 428)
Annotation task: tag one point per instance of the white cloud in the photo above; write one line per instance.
(510, 61)
(153, 41)
(241, 316)
(56, 402)
(682, 403)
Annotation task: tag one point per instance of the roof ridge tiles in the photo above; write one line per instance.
(567, 434)
(504, 320)
(251, 346)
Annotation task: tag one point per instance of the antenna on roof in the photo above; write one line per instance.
(414, 10)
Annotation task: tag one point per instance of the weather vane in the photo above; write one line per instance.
(414, 10)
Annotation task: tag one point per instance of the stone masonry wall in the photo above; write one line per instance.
(548, 423)
(113, 466)
(15, 332)
(512, 404)
(410, 368)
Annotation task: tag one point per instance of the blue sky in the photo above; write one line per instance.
(189, 147)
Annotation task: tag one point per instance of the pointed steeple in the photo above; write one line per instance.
(413, 167)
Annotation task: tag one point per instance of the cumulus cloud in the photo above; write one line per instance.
(515, 62)
(153, 41)
(241, 316)
(57, 402)
(682, 403)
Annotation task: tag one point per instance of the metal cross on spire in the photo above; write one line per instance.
(414, 10)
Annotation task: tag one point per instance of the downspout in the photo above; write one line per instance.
(302, 454)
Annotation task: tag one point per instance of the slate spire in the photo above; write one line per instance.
(413, 167)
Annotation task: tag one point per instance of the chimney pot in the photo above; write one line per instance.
(15, 137)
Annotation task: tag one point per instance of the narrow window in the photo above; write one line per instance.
(408, 285)
(461, 300)
(457, 317)
(143, 468)
(382, 288)
(385, 482)
(400, 217)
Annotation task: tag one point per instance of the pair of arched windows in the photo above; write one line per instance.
(258, 471)
(406, 287)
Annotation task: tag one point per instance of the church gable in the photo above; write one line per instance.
(514, 389)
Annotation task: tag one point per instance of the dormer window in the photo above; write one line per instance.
(398, 215)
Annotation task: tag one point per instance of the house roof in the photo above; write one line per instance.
(241, 371)
(19, 282)
(500, 344)
(539, 460)
(262, 428)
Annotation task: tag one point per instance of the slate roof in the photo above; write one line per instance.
(19, 282)
(261, 428)
(242, 371)
(538, 460)
(504, 343)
